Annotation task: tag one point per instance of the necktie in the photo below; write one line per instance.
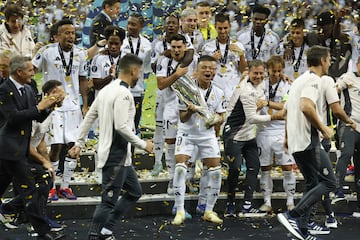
(22, 90)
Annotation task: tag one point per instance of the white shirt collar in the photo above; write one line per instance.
(17, 85)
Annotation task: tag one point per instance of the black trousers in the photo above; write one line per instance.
(30, 194)
(235, 151)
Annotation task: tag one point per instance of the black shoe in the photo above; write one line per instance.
(94, 237)
(21, 218)
(49, 236)
(107, 237)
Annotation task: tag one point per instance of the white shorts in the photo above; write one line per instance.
(170, 121)
(64, 127)
(273, 147)
(206, 147)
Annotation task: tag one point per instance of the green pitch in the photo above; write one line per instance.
(148, 109)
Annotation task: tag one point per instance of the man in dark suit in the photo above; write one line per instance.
(110, 11)
(18, 107)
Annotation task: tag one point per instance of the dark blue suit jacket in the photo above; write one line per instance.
(16, 115)
(98, 25)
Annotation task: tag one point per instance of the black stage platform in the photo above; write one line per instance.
(159, 227)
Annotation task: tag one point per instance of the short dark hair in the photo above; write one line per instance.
(261, 9)
(172, 15)
(62, 22)
(209, 58)
(138, 16)
(221, 17)
(203, 4)
(256, 63)
(109, 2)
(127, 61)
(13, 9)
(178, 37)
(315, 54)
(325, 18)
(112, 30)
(275, 59)
(297, 22)
(53, 32)
(50, 85)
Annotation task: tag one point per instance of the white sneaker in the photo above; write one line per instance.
(356, 213)
(331, 222)
(179, 218)
(265, 208)
(211, 216)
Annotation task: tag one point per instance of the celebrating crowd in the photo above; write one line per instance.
(274, 98)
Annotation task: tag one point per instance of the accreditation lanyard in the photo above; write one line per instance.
(272, 92)
(117, 64)
(69, 66)
(136, 52)
(223, 58)
(170, 70)
(256, 51)
(208, 93)
(165, 45)
(296, 64)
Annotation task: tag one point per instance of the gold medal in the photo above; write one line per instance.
(67, 78)
(223, 69)
(296, 75)
(270, 111)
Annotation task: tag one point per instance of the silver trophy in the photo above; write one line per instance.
(187, 91)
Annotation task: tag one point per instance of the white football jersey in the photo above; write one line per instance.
(269, 45)
(142, 48)
(48, 60)
(195, 126)
(227, 74)
(299, 129)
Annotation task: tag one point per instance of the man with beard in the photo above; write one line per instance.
(305, 111)
(259, 42)
(168, 70)
(67, 63)
(114, 147)
(139, 45)
(229, 54)
(161, 47)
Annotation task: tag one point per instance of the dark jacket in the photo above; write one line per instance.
(97, 28)
(16, 115)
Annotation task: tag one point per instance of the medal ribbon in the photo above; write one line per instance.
(255, 52)
(170, 71)
(271, 92)
(223, 58)
(297, 63)
(69, 66)
(117, 64)
(132, 48)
